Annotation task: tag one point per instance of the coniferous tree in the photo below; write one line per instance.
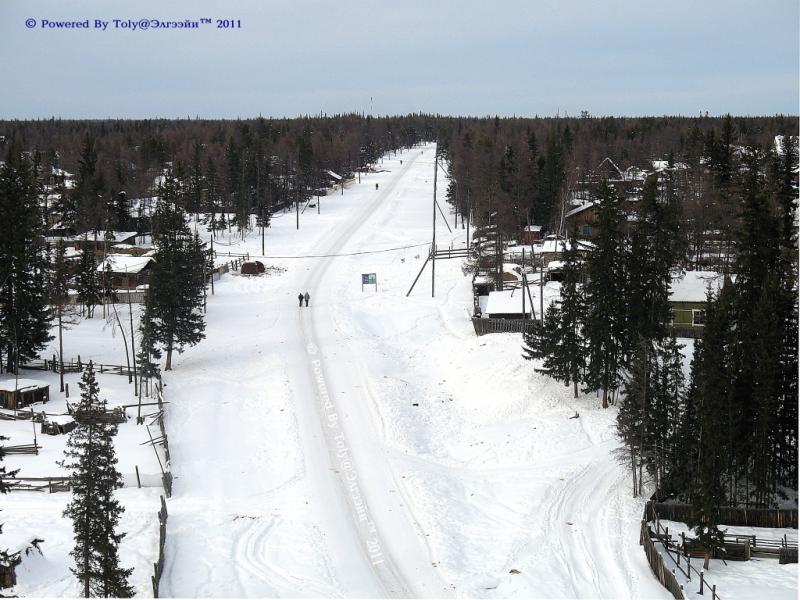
(606, 321)
(785, 177)
(120, 212)
(563, 347)
(539, 342)
(176, 291)
(88, 284)
(24, 315)
(59, 295)
(88, 193)
(656, 247)
(94, 511)
(711, 399)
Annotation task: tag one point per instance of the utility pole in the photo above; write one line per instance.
(469, 212)
(212, 264)
(541, 290)
(133, 340)
(297, 203)
(433, 242)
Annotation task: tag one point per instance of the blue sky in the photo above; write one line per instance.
(444, 56)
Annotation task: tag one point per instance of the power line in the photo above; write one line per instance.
(345, 253)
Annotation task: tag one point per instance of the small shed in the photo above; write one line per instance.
(508, 305)
(19, 393)
(531, 234)
(555, 270)
(252, 267)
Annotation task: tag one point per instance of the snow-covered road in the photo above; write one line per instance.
(370, 445)
(281, 488)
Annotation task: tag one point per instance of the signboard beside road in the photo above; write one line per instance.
(369, 279)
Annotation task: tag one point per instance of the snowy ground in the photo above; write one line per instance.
(29, 515)
(304, 468)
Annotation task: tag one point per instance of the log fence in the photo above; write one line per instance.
(158, 566)
(772, 518)
(487, 326)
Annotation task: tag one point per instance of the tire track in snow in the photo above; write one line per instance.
(372, 540)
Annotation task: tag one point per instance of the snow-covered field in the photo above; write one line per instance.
(371, 445)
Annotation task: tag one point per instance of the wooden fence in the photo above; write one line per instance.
(38, 484)
(166, 476)
(686, 331)
(76, 366)
(663, 574)
(123, 297)
(729, 515)
(663, 537)
(486, 326)
(158, 566)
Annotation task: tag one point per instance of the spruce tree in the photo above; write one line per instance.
(539, 342)
(88, 192)
(785, 192)
(88, 284)
(24, 315)
(606, 321)
(176, 291)
(94, 511)
(712, 403)
(562, 347)
(59, 295)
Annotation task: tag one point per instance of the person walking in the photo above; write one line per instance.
(376, 187)
(307, 298)
(300, 298)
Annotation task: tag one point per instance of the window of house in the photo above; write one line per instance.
(698, 317)
(586, 229)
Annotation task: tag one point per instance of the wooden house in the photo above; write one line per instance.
(128, 271)
(19, 393)
(553, 249)
(687, 301)
(101, 242)
(583, 220)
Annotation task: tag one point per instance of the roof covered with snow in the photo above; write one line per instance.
(694, 285)
(107, 235)
(336, 176)
(559, 246)
(663, 165)
(9, 385)
(580, 209)
(125, 263)
(506, 302)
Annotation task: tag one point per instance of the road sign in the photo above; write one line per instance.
(369, 279)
